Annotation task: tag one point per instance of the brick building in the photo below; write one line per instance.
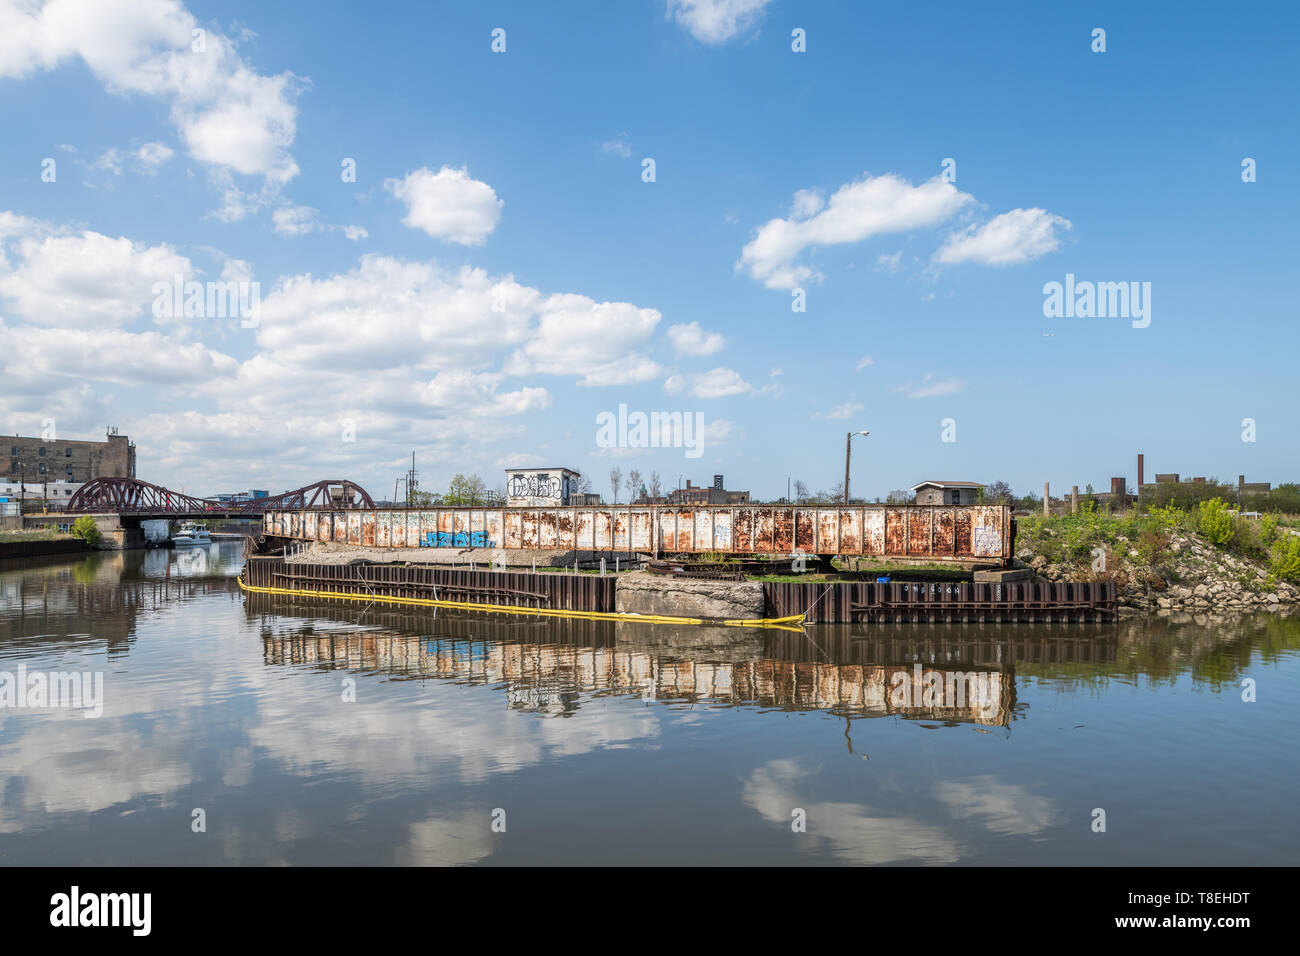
(37, 460)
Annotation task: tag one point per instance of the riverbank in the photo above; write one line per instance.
(1170, 562)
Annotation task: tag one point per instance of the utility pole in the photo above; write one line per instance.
(848, 450)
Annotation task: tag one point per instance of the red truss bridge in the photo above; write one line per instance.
(131, 496)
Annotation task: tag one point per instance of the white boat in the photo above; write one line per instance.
(190, 534)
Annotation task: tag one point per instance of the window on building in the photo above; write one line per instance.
(13, 449)
(42, 451)
(42, 468)
(956, 497)
(68, 453)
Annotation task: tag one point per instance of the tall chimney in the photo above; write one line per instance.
(1141, 473)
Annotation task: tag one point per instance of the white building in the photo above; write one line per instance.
(541, 487)
(56, 493)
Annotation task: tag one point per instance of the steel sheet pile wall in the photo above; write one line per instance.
(569, 592)
(1016, 601)
(936, 533)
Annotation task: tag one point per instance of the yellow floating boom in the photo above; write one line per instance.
(792, 623)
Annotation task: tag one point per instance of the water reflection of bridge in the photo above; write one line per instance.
(954, 674)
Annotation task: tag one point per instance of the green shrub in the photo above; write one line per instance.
(1168, 517)
(86, 529)
(1213, 522)
(1286, 560)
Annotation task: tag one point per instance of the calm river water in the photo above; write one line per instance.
(308, 734)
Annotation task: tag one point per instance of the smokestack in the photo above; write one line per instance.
(1141, 474)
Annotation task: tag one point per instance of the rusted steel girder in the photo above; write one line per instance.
(133, 496)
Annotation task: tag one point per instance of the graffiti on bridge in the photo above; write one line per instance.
(456, 539)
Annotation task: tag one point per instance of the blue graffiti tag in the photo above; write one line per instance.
(458, 539)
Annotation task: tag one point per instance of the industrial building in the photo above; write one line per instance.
(716, 494)
(40, 460)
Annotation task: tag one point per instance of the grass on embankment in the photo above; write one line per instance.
(1073, 538)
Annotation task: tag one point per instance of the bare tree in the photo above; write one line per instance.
(800, 490)
(633, 485)
(616, 481)
(999, 491)
(656, 485)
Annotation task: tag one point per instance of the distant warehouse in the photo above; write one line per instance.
(40, 460)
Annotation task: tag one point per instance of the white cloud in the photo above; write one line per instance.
(1011, 238)
(931, 387)
(597, 341)
(86, 280)
(295, 220)
(847, 410)
(716, 21)
(885, 263)
(448, 204)
(858, 210)
(152, 155)
(864, 362)
(619, 146)
(303, 220)
(716, 383)
(227, 114)
(690, 339)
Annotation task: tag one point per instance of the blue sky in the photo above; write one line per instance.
(499, 272)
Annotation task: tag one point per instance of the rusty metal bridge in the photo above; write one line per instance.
(969, 534)
(131, 496)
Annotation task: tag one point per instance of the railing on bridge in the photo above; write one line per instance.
(133, 496)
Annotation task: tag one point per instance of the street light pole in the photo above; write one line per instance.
(848, 451)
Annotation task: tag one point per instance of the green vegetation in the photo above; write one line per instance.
(1074, 538)
(86, 529)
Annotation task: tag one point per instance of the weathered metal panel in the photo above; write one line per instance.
(586, 530)
(547, 531)
(325, 527)
(514, 530)
(602, 532)
(702, 533)
(987, 537)
(309, 523)
(895, 531)
(763, 530)
(368, 529)
(620, 530)
(785, 530)
(341, 526)
(743, 533)
(873, 532)
(944, 528)
(965, 543)
(685, 530)
(640, 531)
(414, 528)
(850, 530)
(384, 529)
(722, 530)
(827, 537)
(564, 530)
(668, 530)
(354, 528)
(918, 530)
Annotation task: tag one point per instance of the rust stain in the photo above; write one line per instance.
(895, 531)
(964, 533)
(919, 530)
(783, 529)
(368, 530)
(743, 532)
(826, 540)
(850, 532)
(943, 532)
(763, 532)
